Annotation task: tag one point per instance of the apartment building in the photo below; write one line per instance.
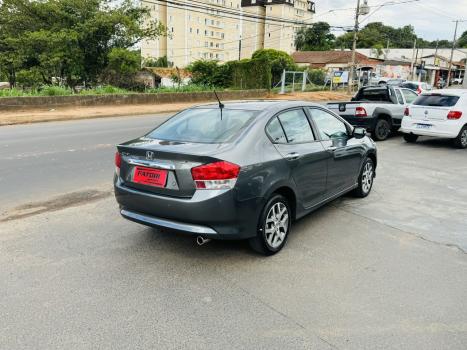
(224, 30)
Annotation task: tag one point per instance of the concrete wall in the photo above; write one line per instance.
(48, 102)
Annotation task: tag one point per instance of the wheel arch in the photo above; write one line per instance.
(288, 192)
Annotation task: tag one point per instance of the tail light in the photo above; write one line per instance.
(454, 115)
(215, 176)
(360, 112)
(118, 162)
(419, 90)
(406, 111)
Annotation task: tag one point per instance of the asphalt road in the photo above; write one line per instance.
(38, 161)
(385, 272)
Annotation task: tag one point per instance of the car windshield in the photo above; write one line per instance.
(436, 100)
(204, 125)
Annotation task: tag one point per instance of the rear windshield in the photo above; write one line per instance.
(373, 95)
(436, 100)
(204, 125)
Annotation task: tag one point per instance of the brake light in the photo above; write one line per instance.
(360, 112)
(454, 115)
(215, 176)
(118, 162)
(406, 111)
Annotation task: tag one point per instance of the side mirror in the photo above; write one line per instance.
(359, 133)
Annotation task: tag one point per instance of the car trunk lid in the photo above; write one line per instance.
(433, 106)
(163, 167)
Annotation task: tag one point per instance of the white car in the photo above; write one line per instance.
(416, 86)
(439, 113)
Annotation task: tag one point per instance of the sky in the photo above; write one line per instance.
(432, 19)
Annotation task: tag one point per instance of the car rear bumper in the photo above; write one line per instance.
(445, 128)
(214, 214)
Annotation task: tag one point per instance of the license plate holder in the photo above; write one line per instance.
(150, 176)
(424, 126)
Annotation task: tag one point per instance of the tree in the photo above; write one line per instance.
(122, 67)
(279, 61)
(158, 62)
(462, 41)
(377, 34)
(69, 39)
(317, 37)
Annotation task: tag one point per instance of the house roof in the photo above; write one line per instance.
(326, 57)
(396, 63)
(164, 72)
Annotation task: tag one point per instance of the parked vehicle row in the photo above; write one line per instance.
(438, 113)
(377, 109)
(243, 170)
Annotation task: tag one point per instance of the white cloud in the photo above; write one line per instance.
(432, 19)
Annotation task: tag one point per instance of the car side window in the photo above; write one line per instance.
(409, 95)
(329, 127)
(296, 126)
(275, 131)
(400, 100)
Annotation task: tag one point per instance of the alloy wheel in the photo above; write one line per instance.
(367, 177)
(464, 138)
(383, 130)
(277, 224)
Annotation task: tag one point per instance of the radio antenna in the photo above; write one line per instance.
(221, 105)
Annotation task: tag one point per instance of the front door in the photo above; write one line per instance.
(293, 137)
(345, 152)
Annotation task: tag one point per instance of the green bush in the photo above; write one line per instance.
(250, 74)
(317, 76)
(104, 90)
(29, 78)
(279, 60)
(210, 73)
(51, 90)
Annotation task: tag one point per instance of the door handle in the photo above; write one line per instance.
(331, 148)
(292, 156)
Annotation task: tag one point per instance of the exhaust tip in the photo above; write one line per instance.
(200, 240)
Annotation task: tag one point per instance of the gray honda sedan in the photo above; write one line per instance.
(243, 170)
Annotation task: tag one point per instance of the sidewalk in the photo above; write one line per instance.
(73, 113)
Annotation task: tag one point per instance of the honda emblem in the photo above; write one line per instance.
(149, 155)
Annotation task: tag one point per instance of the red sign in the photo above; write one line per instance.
(150, 176)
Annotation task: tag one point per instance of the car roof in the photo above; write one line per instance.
(259, 105)
(449, 92)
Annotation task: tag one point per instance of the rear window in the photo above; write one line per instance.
(409, 86)
(204, 125)
(373, 95)
(436, 100)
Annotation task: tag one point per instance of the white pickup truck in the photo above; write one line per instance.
(377, 109)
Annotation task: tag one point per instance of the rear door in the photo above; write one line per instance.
(345, 152)
(293, 137)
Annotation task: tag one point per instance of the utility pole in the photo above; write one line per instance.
(412, 65)
(240, 49)
(354, 47)
(452, 52)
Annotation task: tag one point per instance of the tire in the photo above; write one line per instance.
(365, 179)
(382, 130)
(271, 233)
(410, 138)
(461, 140)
